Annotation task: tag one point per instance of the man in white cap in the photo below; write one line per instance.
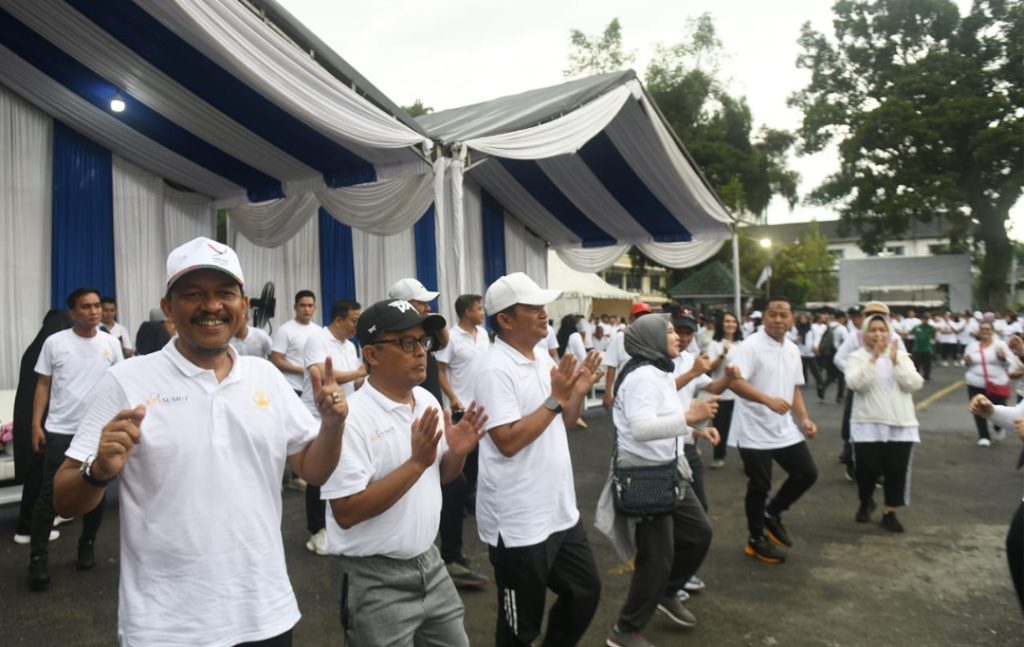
(526, 500)
(199, 438)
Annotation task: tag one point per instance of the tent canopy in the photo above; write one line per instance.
(587, 163)
(217, 100)
(713, 281)
(583, 293)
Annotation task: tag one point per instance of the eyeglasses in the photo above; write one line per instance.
(408, 343)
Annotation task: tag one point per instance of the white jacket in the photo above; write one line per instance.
(883, 390)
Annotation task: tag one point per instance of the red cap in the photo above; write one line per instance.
(640, 308)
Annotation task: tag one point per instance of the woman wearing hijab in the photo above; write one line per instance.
(28, 465)
(883, 424)
(651, 430)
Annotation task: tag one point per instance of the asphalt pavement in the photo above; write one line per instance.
(943, 582)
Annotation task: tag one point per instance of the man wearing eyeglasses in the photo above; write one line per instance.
(385, 495)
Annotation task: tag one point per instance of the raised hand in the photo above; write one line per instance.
(424, 438)
(327, 395)
(701, 410)
(589, 373)
(702, 364)
(733, 372)
(463, 436)
(564, 378)
(117, 441)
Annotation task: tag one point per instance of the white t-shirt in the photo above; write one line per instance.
(343, 354)
(202, 559)
(576, 347)
(549, 343)
(715, 349)
(975, 373)
(462, 355)
(74, 365)
(290, 340)
(969, 331)
(377, 442)
(776, 370)
(601, 345)
(256, 343)
(817, 332)
(526, 497)
(946, 330)
(121, 334)
(616, 355)
(839, 335)
(907, 326)
(647, 393)
(685, 395)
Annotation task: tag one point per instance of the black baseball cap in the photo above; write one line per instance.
(393, 315)
(684, 317)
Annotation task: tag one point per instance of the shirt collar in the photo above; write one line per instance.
(383, 401)
(188, 369)
(516, 356)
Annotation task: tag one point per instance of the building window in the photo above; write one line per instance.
(655, 283)
(898, 250)
(614, 278)
(634, 282)
(937, 250)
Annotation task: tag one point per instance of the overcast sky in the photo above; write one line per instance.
(450, 53)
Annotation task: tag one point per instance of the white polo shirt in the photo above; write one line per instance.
(377, 442)
(344, 357)
(256, 343)
(290, 340)
(202, 559)
(74, 365)
(462, 355)
(121, 334)
(549, 343)
(616, 355)
(527, 497)
(776, 370)
(683, 364)
(647, 393)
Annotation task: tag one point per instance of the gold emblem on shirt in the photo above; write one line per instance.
(260, 399)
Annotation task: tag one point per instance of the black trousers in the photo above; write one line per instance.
(30, 491)
(453, 506)
(796, 460)
(43, 512)
(722, 421)
(923, 362)
(891, 460)
(847, 455)
(697, 467)
(1015, 552)
(811, 366)
(316, 510)
(670, 549)
(981, 424)
(834, 376)
(563, 563)
(283, 640)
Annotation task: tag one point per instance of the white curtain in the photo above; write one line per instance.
(681, 254)
(380, 261)
(26, 160)
(186, 216)
(385, 207)
(140, 251)
(272, 223)
(293, 266)
(524, 252)
(591, 259)
(473, 256)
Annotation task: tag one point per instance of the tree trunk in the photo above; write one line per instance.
(996, 264)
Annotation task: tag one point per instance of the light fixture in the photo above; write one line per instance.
(117, 103)
(766, 243)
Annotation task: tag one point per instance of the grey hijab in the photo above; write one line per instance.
(646, 341)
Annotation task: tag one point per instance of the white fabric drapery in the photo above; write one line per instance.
(380, 261)
(681, 254)
(591, 259)
(524, 252)
(384, 207)
(26, 161)
(473, 256)
(272, 223)
(186, 216)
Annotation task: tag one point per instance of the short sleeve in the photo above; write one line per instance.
(279, 343)
(496, 392)
(115, 347)
(641, 397)
(106, 399)
(315, 351)
(796, 368)
(355, 467)
(701, 381)
(745, 360)
(44, 365)
(299, 423)
(445, 354)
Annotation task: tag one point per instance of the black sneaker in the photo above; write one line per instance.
(764, 550)
(891, 523)
(864, 511)
(777, 532)
(38, 576)
(86, 556)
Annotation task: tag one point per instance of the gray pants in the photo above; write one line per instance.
(410, 602)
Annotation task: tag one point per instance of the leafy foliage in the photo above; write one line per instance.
(417, 109)
(597, 54)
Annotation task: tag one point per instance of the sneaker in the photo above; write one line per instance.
(620, 638)
(25, 538)
(464, 577)
(582, 424)
(764, 550)
(318, 542)
(821, 394)
(999, 433)
(86, 556)
(38, 576)
(58, 520)
(677, 612)
(296, 484)
(864, 512)
(682, 595)
(984, 442)
(777, 532)
(718, 463)
(891, 523)
(694, 585)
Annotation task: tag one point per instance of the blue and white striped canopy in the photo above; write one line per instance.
(217, 100)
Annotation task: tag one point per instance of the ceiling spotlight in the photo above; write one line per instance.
(117, 103)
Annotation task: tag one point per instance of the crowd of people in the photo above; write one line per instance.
(396, 424)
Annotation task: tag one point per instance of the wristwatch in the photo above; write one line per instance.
(85, 471)
(552, 404)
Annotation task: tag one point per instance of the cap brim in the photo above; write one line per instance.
(193, 268)
(686, 323)
(541, 297)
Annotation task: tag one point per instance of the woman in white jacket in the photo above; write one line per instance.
(883, 425)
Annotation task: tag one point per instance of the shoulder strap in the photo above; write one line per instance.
(984, 366)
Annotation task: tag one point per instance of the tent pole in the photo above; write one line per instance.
(736, 272)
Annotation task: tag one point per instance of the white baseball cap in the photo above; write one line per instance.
(203, 253)
(411, 290)
(516, 288)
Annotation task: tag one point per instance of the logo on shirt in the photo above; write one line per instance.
(260, 399)
(106, 353)
(154, 399)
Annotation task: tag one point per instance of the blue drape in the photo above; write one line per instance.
(337, 266)
(426, 252)
(82, 242)
(493, 217)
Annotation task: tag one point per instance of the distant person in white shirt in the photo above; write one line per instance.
(250, 341)
(616, 356)
(69, 365)
(526, 498)
(385, 495)
(114, 327)
(764, 429)
(290, 340)
(198, 438)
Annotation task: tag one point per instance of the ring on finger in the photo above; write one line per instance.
(336, 397)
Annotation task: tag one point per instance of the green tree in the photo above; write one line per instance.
(926, 107)
(417, 109)
(597, 54)
(803, 270)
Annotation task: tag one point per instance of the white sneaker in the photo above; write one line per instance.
(999, 434)
(682, 595)
(27, 539)
(58, 520)
(984, 442)
(318, 543)
(694, 584)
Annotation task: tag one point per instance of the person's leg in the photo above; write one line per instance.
(846, 457)
(90, 526)
(520, 575)
(896, 458)
(574, 579)
(980, 423)
(282, 640)
(796, 460)
(453, 504)
(697, 467)
(757, 465)
(316, 510)
(653, 565)
(30, 492)
(444, 612)
(1015, 552)
(43, 512)
(926, 362)
(722, 421)
(691, 534)
(381, 599)
(867, 470)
